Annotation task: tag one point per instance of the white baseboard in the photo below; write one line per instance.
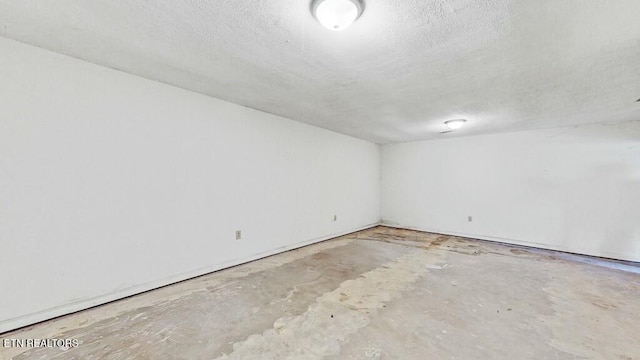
(47, 314)
(604, 254)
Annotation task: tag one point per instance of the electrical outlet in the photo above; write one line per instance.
(238, 234)
(469, 219)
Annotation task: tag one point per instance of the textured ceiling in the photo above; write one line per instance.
(402, 69)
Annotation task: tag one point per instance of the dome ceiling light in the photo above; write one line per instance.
(455, 124)
(336, 15)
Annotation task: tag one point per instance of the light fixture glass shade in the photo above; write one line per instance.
(455, 124)
(336, 15)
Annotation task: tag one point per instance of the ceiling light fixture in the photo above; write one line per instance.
(455, 124)
(336, 15)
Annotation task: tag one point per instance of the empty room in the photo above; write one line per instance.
(319, 179)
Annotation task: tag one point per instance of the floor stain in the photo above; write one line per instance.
(378, 293)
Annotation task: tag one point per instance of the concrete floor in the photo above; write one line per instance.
(378, 294)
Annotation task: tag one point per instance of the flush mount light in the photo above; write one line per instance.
(455, 124)
(336, 15)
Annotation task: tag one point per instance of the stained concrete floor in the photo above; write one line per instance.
(377, 294)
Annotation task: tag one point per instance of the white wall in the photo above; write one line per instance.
(571, 189)
(112, 184)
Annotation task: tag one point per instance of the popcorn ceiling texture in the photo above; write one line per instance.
(401, 70)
